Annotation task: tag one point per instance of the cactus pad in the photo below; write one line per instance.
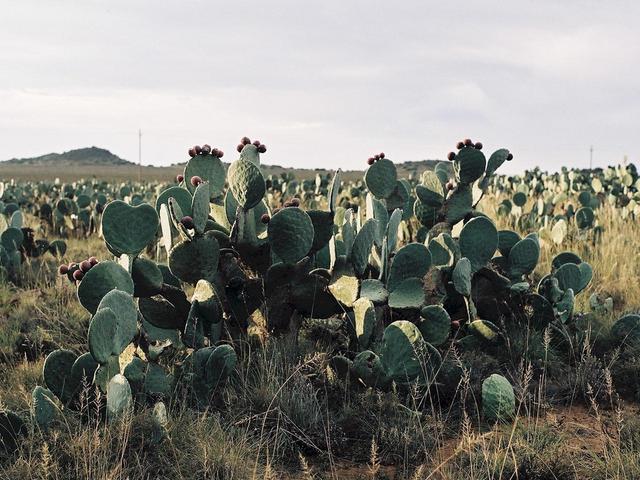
(291, 234)
(129, 229)
(100, 280)
(498, 399)
(381, 178)
(478, 242)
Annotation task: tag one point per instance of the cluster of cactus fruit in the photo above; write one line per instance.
(409, 270)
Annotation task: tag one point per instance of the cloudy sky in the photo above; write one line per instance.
(322, 83)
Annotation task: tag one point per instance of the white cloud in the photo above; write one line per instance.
(321, 84)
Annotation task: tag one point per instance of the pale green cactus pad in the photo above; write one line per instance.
(100, 280)
(129, 229)
(498, 399)
(291, 234)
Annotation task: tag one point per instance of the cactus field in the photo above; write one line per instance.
(232, 324)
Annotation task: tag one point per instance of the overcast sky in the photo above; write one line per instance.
(322, 84)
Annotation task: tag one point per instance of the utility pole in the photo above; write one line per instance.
(591, 158)
(139, 155)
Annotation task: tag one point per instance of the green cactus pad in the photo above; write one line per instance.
(368, 368)
(506, 240)
(105, 372)
(160, 313)
(210, 169)
(441, 251)
(430, 191)
(192, 260)
(291, 234)
(496, 159)
(100, 280)
(426, 215)
(462, 277)
(102, 332)
(408, 294)
(246, 183)
(83, 371)
(458, 205)
(586, 274)
(129, 229)
(412, 260)
(543, 313)
(11, 239)
(627, 329)
(322, 228)
(523, 258)
(119, 399)
(147, 277)
(220, 365)
(564, 306)
(402, 346)
(365, 320)
(584, 217)
(436, 324)
(12, 428)
(157, 381)
(44, 408)
(498, 399)
(57, 374)
(344, 284)
(200, 207)
(381, 178)
(362, 245)
(568, 276)
(519, 199)
(485, 330)
(478, 242)
(334, 190)
(181, 195)
(58, 248)
(565, 257)
(124, 308)
(341, 365)
(374, 290)
(250, 153)
(209, 305)
(469, 165)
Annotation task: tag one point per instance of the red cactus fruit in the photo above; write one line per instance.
(63, 269)
(187, 221)
(93, 260)
(206, 149)
(451, 156)
(455, 324)
(198, 149)
(262, 148)
(381, 155)
(85, 266)
(371, 160)
(192, 152)
(265, 218)
(78, 275)
(256, 143)
(468, 142)
(180, 178)
(450, 186)
(295, 202)
(460, 145)
(239, 147)
(510, 156)
(245, 141)
(478, 146)
(196, 180)
(220, 154)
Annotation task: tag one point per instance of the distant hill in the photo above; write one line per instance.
(92, 156)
